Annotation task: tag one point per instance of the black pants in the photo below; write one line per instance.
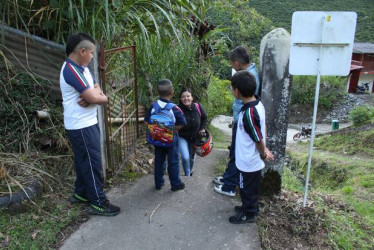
(249, 184)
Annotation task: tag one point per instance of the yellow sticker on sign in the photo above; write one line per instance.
(328, 18)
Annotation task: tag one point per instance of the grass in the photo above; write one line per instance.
(40, 226)
(342, 168)
(220, 139)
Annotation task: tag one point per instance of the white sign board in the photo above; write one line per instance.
(324, 38)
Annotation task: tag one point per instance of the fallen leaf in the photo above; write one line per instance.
(33, 236)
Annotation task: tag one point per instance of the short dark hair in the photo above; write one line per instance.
(185, 90)
(164, 87)
(245, 82)
(75, 39)
(239, 54)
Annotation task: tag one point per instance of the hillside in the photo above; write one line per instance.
(280, 12)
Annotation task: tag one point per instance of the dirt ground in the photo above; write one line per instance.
(285, 224)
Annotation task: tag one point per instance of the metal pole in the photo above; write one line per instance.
(136, 90)
(314, 117)
(312, 138)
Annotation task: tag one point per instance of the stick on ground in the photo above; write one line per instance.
(150, 217)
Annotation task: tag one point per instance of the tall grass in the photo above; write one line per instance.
(111, 22)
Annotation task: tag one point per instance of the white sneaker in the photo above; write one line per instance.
(218, 180)
(218, 189)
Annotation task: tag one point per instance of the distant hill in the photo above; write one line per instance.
(280, 12)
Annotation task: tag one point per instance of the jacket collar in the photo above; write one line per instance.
(250, 104)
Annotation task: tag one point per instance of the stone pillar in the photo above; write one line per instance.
(275, 95)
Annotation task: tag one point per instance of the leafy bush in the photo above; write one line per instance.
(172, 60)
(219, 99)
(20, 96)
(361, 115)
(332, 89)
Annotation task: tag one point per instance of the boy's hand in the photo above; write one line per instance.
(83, 102)
(268, 156)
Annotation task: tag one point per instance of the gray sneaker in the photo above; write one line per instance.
(218, 180)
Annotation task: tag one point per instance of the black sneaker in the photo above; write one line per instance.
(76, 199)
(106, 209)
(238, 209)
(180, 187)
(242, 218)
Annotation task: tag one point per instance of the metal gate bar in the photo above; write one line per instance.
(119, 81)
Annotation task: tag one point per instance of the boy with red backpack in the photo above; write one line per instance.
(163, 120)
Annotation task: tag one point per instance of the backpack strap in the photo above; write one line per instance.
(157, 106)
(198, 108)
(169, 106)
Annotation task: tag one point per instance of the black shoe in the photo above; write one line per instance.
(242, 218)
(159, 187)
(106, 209)
(76, 199)
(181, 186)
(238, 209)
(191, 173)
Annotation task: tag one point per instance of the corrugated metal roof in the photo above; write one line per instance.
(363, 48)
(32, 54)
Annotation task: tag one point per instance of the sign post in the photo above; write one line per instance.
(321, 44)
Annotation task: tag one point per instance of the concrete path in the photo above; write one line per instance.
(193, 218)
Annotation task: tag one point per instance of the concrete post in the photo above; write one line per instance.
(275, 95)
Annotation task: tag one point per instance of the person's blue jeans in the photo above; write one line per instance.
(173, 164)
(231, 175)
(188, 155)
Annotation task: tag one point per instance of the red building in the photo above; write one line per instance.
(362, 67)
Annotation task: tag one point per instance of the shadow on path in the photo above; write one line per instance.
(193, 218)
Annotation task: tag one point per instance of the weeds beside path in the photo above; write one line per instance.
(341, 194)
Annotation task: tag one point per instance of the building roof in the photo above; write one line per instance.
(356, 67)
(363, 48)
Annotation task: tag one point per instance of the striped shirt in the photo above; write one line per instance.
(251, 129)
(74, 80)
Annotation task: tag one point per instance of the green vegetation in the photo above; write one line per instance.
(20, 96)
(245, 27)
(361, 115)
(218, 100)
(332, 89)
(358, 143)
(342, 168)
(111, 22)
(280, 13)
(175, 61)
(41, 225)
(220, 139)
